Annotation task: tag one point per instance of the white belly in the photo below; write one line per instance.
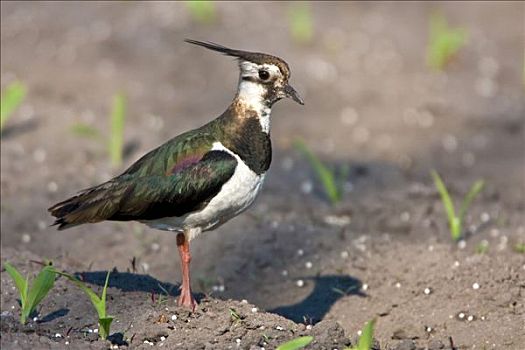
(235, 196)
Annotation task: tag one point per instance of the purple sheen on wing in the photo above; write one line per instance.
(185, 163)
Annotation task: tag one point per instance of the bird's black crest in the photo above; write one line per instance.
(255, 57)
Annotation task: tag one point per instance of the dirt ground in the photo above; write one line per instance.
(293, 264)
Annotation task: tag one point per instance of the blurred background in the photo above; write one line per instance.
(391, 91)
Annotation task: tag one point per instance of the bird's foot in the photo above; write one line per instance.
(186, 300)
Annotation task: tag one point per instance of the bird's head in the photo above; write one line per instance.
(263, 78)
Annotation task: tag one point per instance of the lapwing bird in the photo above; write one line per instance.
(200, 179)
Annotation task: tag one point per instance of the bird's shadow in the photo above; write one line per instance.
(327, 290)
(130, 282)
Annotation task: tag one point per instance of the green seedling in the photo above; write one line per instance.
(201, 11)
(444, 42)
(331, 180)
(99, 303)
(30, 297)
(11, 98)
(519, 248)
(85, 130)
(366, 339)
(295, 344)
(116, 137)
(234, 315)
(301, 22)
(455, 220)
(482, 247)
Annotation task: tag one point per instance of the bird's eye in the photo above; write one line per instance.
(264, 75)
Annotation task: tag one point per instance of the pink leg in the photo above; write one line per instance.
(185, 298)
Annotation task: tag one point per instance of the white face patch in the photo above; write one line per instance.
(252, 91)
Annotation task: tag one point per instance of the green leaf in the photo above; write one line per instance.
(40, 287)
(476, 188)
(116, 138)
(95, 300)
(104, 326)
(325, 175)
(103, 298)
(11, 98)
(454, 222)
(20, 282)
(201, 11)
(301, 22)
(444, 41)
(85, 130)
(366, 339)
(297, 343)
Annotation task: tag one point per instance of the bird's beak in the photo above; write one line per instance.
(290, 92)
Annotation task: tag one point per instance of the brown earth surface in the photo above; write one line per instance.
(293, 264)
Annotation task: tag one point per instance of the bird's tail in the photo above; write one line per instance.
(91, 205)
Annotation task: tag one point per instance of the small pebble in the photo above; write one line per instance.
(299, 283)
(155, 247)
(365, 286)
(485, 217)
(67, 343)
(52, 186)
(173, 317)
(95, 330)
(162, 338)
(427, 291)
(279, 328)
(429, 329)
(309, 327)
(244, 301)
(39, 155)
(300, 252)
(359, 332)
(308, 265)
(456, 263)
(254, 309)
(26, 238)
(58, 335)
(462, 244)
(470, 318)
(238, 341)
(344, 254)
(461, 315)
(398, 285)
(475, 286)
(307, 187)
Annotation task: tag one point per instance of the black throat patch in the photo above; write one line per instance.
(244, 136)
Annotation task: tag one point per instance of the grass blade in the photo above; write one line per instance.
(40, 287)
(325, 176)
(295, 344)
(11, 98)
(453, 220)
(116, 138)
(476, 188)
(20, 282)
